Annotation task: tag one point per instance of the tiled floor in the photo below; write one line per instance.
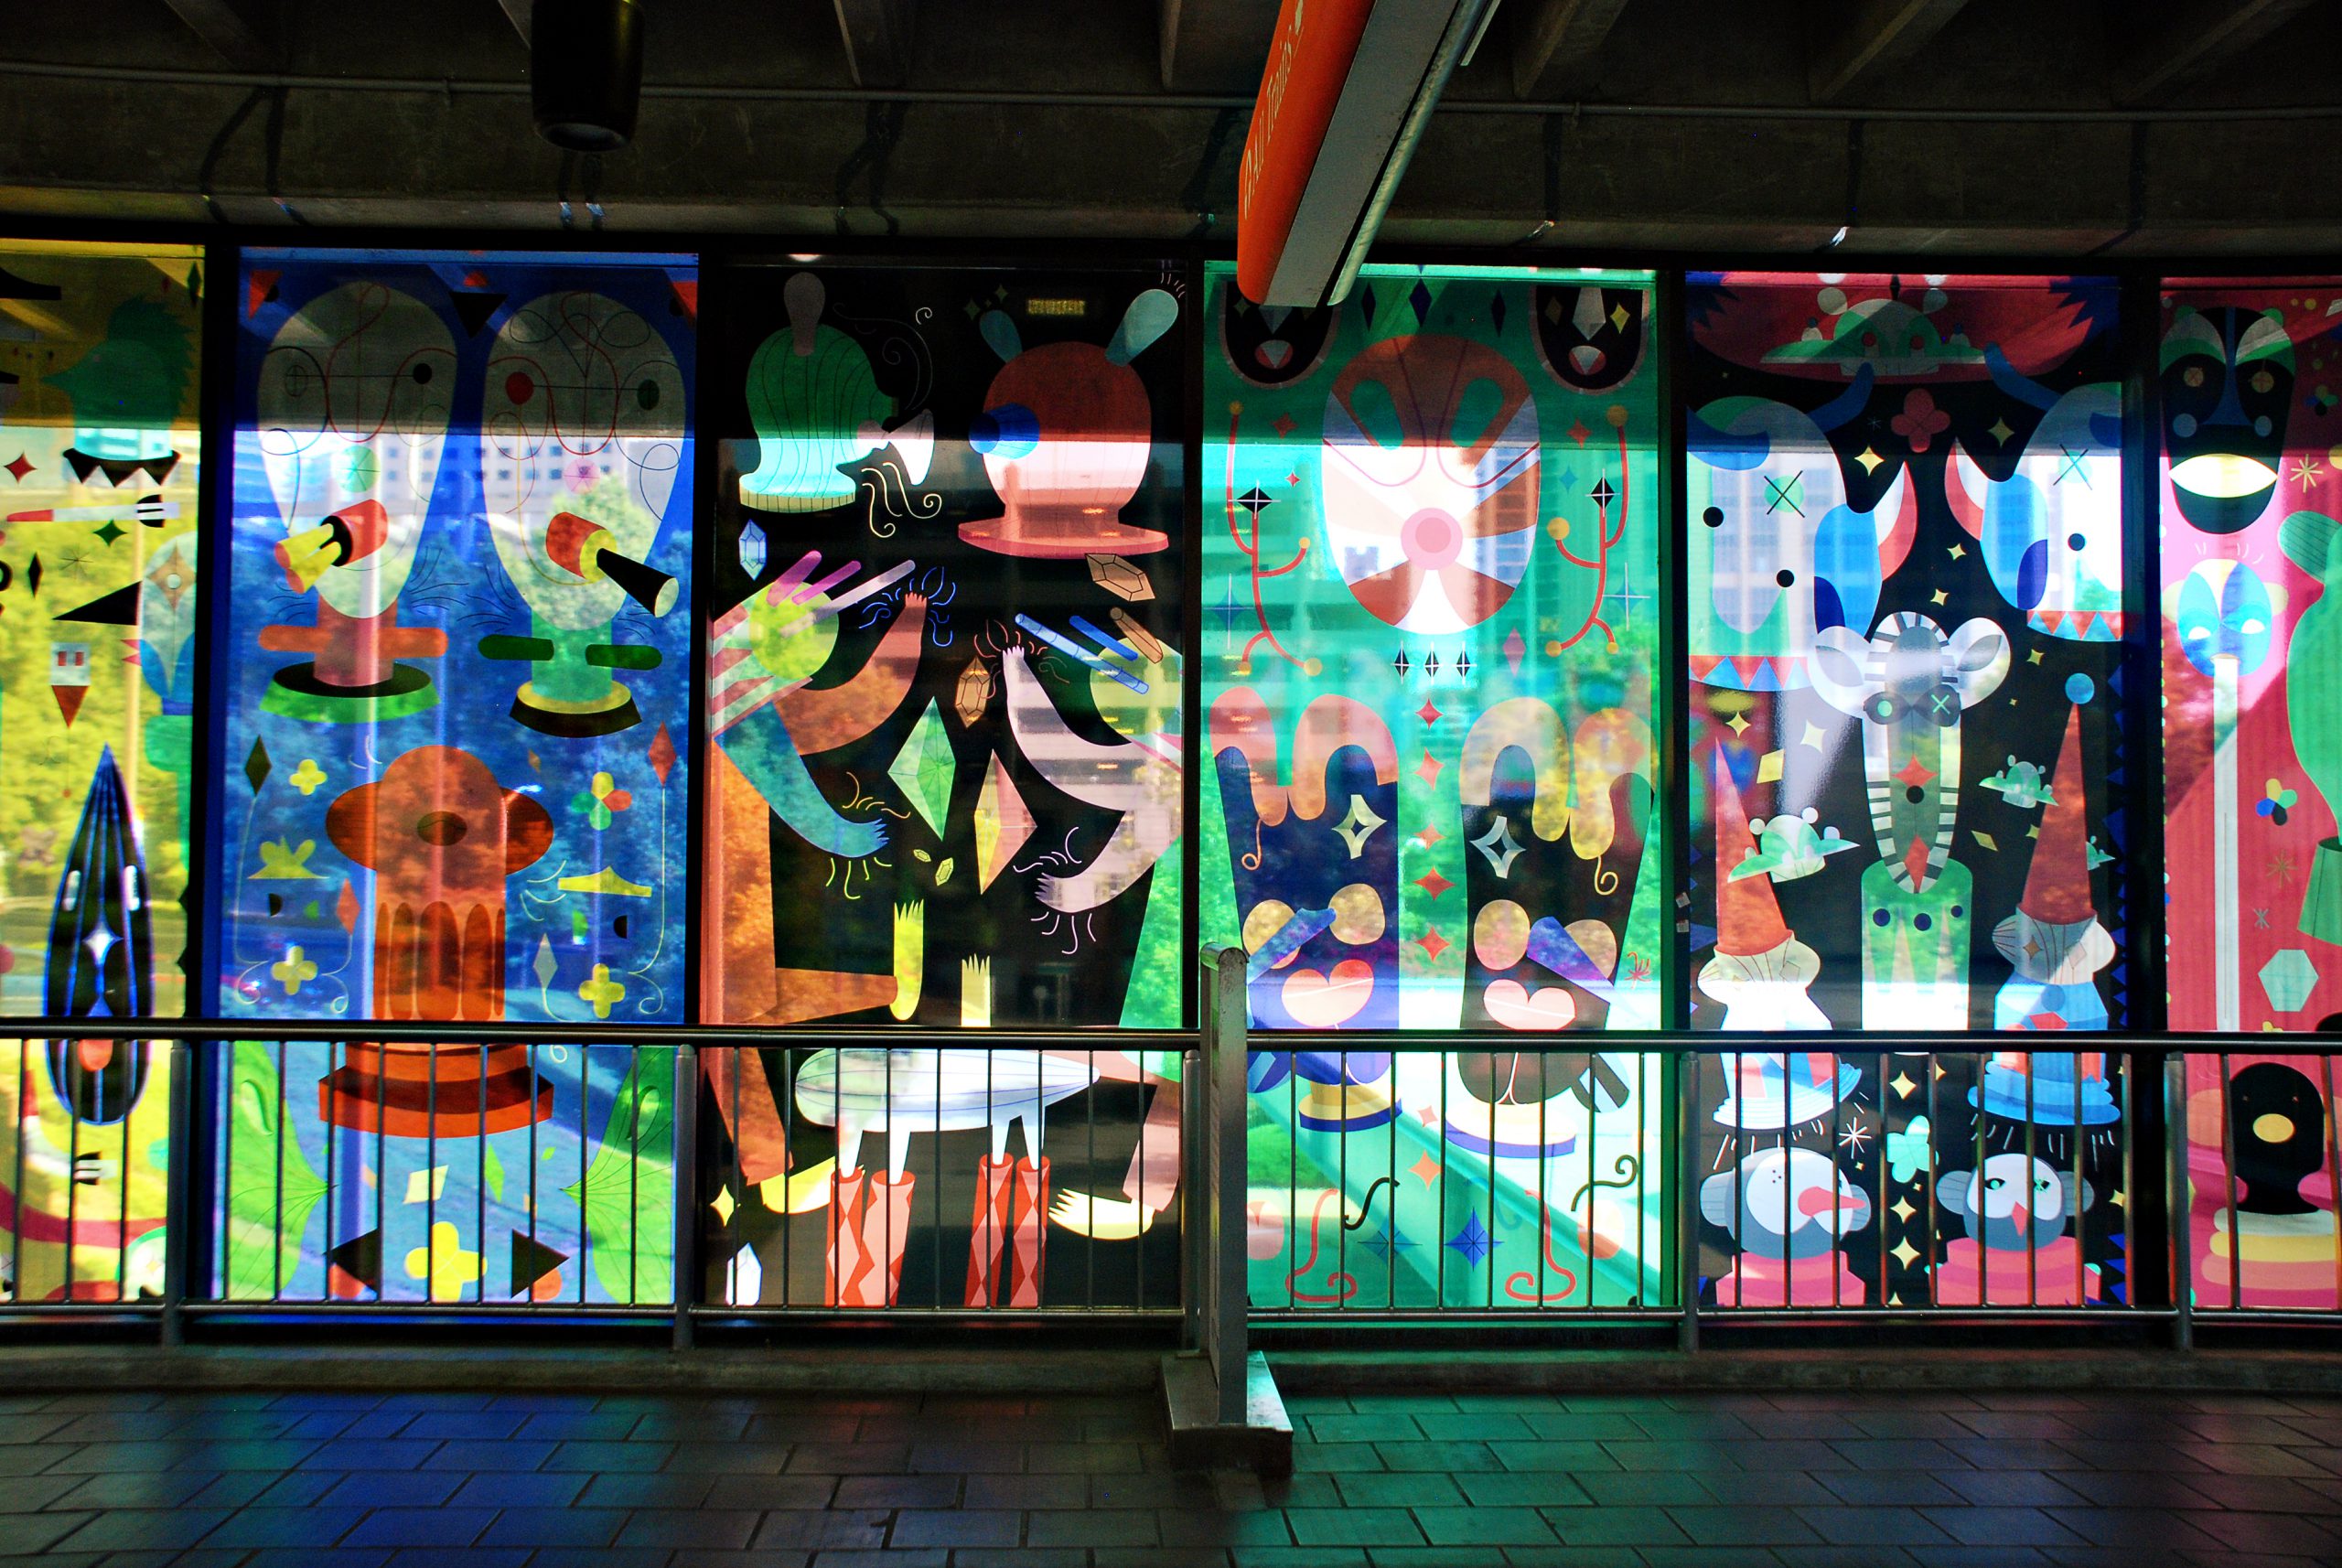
(480, 1481)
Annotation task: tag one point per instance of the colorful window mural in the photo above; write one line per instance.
(944, 692)
(1431, 597)
(1905, 562)
(99, 349)
(453, 782)
(2253, 770)
(2252, 751)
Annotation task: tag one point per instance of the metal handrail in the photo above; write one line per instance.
(1214, 1185)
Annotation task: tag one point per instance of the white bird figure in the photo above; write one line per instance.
(870, 1089)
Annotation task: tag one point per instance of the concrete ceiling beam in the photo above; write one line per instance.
(1555, 44)
(1877, 37)
(242, 32)
(877, 36)
(1214, 46)
(2174, 45)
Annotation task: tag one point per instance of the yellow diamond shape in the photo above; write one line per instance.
(1904, 1252)
(1619, 317)
(723, 1205)
(1902, 1209)
(1903, 1086)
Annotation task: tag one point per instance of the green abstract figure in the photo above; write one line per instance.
(816, 407)
(2313, 665)
(136, 380)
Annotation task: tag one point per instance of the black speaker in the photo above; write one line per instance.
(586, 73)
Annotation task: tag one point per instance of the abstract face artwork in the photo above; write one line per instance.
(454, 785)
(2252, 642)
(2260, 1166)
(1906, 569)
(944, 693)
(99, 480)
(1430, 557)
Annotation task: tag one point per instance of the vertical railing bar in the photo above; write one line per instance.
(1983, 1275)
(1391, 1169)
(684, 1281)
(1439, 1240)
(2129, 1187)
(16, 1229)
(1688, 1100)
(584, 1173)
(176, 1154)
(72, 1175)
(1229, 1113)
(1544, 1217)
(1837, 1215)
(2032, 1246)
(1935, 1174)
(122, 1218)
(479, 1168)
(1740, 1150)
(2177, 1203)
(335, 1051)
(935, 1233)
(534, 1047)
(431, 1181)
(2332, 1167)
(1489, 1285)
(382, 1171)
(2081, 1210)
(1886, 1182)
(1342, 1177)
(634, 1176)
(276, 1257)
(1090, 1124)
(2228, 1183)
(1293, 1167)
(786, 1096)
(1593, 1137)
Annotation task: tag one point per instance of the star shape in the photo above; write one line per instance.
(1902, 1085)
(1578, 432)
(1904, 1254)
(109, 530)
(2034, 657)
(1914, 773)
(1428, 712)
(1433, 884)
(1958, 552)
(1433, 943)
(1813, 736)
(1999, 431)
(1428, 770)
(1902, 1209)
(1255, 500)
(19, 468)
(1429, 836)
(1939, 596)
(1870, 459)
(1738, 724)
(1425, 1170)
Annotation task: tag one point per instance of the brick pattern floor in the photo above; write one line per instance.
(1381, 1481)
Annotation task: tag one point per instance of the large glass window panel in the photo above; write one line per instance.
(1905, 559)
(100, 351)
(1431, 606)
(943, 688)
(2252, 755)
(454, 778)
(1903, 550)
(2252, 769)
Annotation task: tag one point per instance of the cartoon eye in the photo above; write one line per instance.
(2041, 1184)
(1713, 516)
(1009, 431)
(2263, 381)
(2253, 626)
(2199, 633)
(1994, 1184)
(2193, 376)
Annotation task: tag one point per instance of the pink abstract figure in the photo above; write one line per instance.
(441, 835)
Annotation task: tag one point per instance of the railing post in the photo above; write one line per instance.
(1687, 1201)
(1225, 1065)
(1195, 1173)
(177, 1154)
(686, 1248)
(2177, 1215)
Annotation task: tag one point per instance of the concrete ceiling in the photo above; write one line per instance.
(2153, 127)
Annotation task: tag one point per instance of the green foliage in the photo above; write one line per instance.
(628, 1193)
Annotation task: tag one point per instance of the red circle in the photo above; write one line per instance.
(519, 387)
